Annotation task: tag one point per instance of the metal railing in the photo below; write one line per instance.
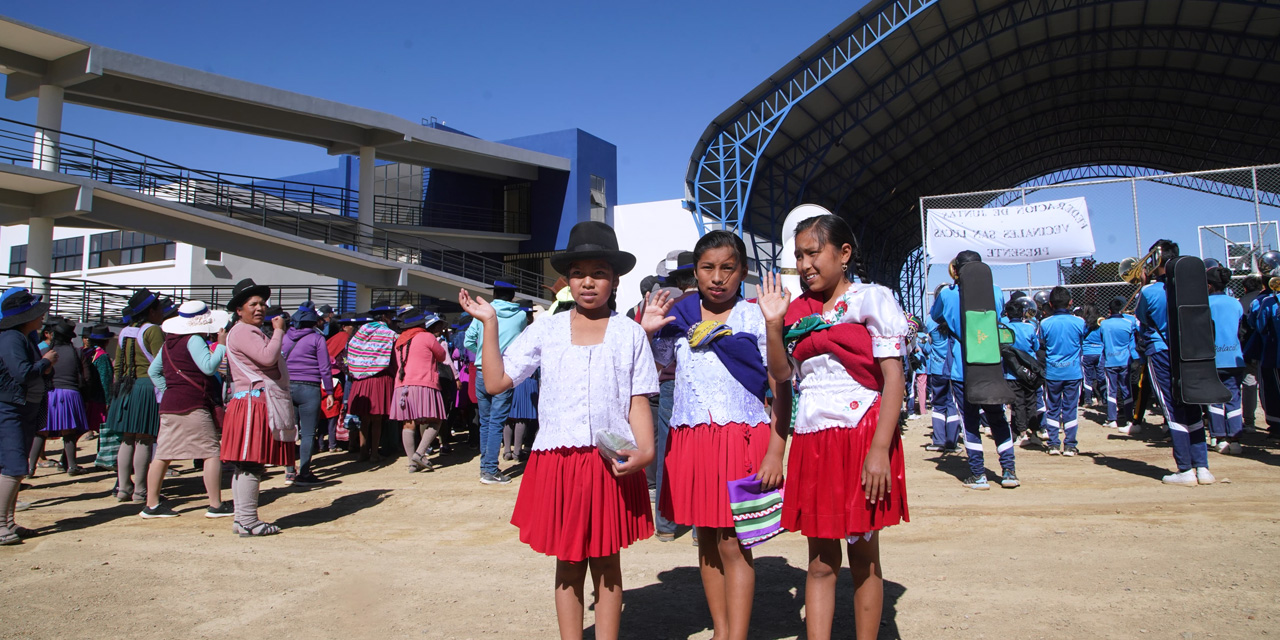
(311, 211)
(90, 301)
(405, 211)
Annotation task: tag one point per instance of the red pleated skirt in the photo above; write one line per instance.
(372, 396)
(572, 507)
(700, 460)
(246, 435)
(824, 496)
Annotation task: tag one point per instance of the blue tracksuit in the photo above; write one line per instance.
(1091, 360)
(1064, 345)
(1119, 337)
(1264, 318)
(1025, 338)
(946, 419)
(1190, 449)
(1227, 420)
(946, 308)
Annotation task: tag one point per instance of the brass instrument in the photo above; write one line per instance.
(1138, 271)
(1274, 283)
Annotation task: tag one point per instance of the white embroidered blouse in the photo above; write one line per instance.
(584, 389)
(829, 396)
(705, 391)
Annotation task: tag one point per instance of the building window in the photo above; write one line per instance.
(18, 259)
(516, 204)
(599, 204)
(398, 180)
(68, 254)
(127, 247)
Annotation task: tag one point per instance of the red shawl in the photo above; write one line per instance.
(849, 342)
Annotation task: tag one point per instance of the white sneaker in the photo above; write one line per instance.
(1213, 442)
(1222, 447)
(1235, 449)
(1110, 425)
(1130, 430)
(1204, 477)
(1184, 478)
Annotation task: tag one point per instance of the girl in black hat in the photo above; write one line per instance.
(66, 416)
(134, 411)
(22, 398)
(597, 374)
(97, 362)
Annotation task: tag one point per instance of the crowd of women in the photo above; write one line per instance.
(251, 386)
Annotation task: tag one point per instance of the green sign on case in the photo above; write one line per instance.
(981, 340)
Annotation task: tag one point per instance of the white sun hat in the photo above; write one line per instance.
(195, 317)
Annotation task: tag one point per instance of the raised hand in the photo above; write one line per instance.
(774, 299)
(656, 307)
(476, 307)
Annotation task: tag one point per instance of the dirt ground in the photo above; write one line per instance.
(1092, 546)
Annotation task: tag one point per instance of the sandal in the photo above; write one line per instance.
(7, 539)
(47, 464)
(257, 530)
(421, 463)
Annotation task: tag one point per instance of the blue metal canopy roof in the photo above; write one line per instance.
(909, 98)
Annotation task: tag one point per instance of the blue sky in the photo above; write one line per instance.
(647, 77)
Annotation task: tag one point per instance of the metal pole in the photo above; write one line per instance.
(1024, 203)
(1257, 207)
(924, 250)
(1137, 232)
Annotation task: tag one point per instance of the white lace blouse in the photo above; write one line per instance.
(829, 396)
(584, 389)
(705, 391)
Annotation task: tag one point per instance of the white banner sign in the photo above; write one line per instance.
(1054, 230)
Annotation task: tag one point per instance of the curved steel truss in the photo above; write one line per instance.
(918, 97)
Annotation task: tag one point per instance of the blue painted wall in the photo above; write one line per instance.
(570, 194)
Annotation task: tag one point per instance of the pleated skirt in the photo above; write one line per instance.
(700, 461)
(246, 435)
(824, 496)
(67, 415)
(572, 507)
(137, 411)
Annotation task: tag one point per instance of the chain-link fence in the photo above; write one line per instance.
(1228, 215)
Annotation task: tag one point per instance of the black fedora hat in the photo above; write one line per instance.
(593, 240)
(139, 304)
(18, 307)
(244, 290)
(97, 332)
(64, 328)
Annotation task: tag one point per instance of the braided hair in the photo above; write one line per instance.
(832, 229)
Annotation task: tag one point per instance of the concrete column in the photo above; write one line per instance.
(40, 254)
(365, 208)
(48, 116)
(364, 293)
(44, 156)
(364, 297)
